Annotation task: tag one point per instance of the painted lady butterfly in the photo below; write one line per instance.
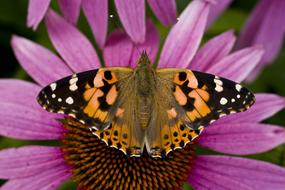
(160, 109)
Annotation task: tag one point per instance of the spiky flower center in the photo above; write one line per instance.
(97, 166)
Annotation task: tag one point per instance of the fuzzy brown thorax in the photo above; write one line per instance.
(144, 90)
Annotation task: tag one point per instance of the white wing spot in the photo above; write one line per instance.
(72, 83)
(223, 101)
(53, 95)
(219, 82)
(219, 88)
(238, 96)
(73, 87)
(53, 86)
(74, 79)
(233, 100)
(238, 87)
(59, 100)
(69, 100)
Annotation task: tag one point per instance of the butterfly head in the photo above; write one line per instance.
(144, 61)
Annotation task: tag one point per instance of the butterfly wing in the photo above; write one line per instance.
(103, 100)
(91, 96)
(188, 101)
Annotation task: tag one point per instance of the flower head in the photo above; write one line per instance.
(92, 163)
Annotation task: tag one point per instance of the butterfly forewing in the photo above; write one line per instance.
(90, 97)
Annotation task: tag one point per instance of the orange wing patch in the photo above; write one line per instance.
(192, 98)
(100, 96)
(181, 77)
(103, 76)
(93, 104)
(172, 138)
(121, 137)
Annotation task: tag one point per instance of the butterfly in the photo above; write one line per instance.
(159, 110)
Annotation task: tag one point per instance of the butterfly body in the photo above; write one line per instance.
(157, 109)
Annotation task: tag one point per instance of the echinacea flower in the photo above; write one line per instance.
(265, 26)
(86, 159)
(131, 12)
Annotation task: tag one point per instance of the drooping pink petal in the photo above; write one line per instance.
(213, 51)
(96, 12)
(242, 138)
(20, 115)
(70, 9)
(41, 64)
(49, 179)
(265, 106)
(132, 15)
(265, 26)
(36, 12)
(118, 49)
(29, 160)
(217, 9)
(150, 45)
(225, 172)
(237, 66)
(164, 10)
(72, 45)
(121, 51)
(185, 36)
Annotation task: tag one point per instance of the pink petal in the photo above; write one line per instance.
(20, 115)
(96, 12)
(150, 45)
(265, 106)
(185, 36)
(49, 179)
(213, 51)
(121, 51)
(72, 45)
(29, 160)
(265, 26)
(41, 64)
(164, 10)
(225, 172)
(237, 66)
(217, 9)
(36, 12)
(132, 15)
(70, 9)
(242, 138)
(118, 49)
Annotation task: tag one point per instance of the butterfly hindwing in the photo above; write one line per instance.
(90, 97)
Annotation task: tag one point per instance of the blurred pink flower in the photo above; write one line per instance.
(46, 167)
(265, 26)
